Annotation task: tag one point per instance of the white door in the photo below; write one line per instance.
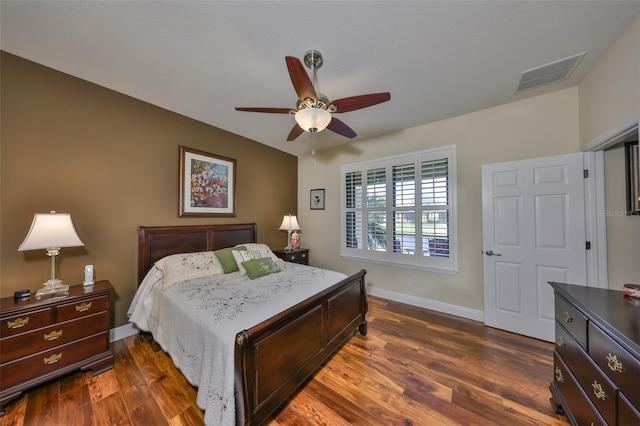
(533, 223)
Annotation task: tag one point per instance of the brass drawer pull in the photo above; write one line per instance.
(614, 364)
(53, 359)
(559, 376)
(560, 342)
(19, 322)
(83, 307)
(567, 316)
(53, 335)
(598, 391)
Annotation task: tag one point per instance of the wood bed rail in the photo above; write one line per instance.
(292, 345)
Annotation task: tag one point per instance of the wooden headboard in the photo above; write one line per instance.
(156, 242)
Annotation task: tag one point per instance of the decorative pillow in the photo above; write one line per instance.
(243, 256)
(188, 266)
(263, 249)
(257, 268)
(225, 256)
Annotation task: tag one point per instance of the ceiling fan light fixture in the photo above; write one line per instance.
(313, 119)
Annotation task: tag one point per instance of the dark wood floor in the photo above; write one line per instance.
(415, 367)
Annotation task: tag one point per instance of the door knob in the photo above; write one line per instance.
(491, 253)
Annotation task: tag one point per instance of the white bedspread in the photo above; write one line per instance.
(196, 323)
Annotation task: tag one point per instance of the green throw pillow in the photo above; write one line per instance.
(225, 256)
(260, 267)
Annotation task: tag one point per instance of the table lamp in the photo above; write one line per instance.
(289, 223)
(51, 231)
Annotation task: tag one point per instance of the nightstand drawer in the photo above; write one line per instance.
(82, 308)
(53, 360)
(49, 337)
(300, 256)
(25, 322)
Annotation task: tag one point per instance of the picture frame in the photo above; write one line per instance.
(316, 199)
(632, 174)
(207, 184)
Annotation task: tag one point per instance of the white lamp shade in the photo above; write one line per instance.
(313, 119)
(289, 223)
(51, 230)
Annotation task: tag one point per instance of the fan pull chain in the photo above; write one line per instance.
(313, 148)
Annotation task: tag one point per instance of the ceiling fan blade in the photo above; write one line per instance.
(268, 110)
(300, 79)
(361, 101)
(340, 128)
(295, 132)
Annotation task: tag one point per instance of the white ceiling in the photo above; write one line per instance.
(438, 59)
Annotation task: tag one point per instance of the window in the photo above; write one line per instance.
(401, 210)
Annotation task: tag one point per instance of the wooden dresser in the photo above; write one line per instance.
(43, 339)
(596, 356)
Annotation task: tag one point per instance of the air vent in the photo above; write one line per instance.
(549, 73)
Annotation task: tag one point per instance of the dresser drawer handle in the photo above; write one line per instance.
(53, 335)
(614, 364)
(304, 255)
(83, 307)
(19, 322)
(560, 342)
(53, 359)
(559, 376)
(598, 391)
(567, 316)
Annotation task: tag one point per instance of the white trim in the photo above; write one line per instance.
(595, 226)
(625, 129)
(433, 305)
(123, 331)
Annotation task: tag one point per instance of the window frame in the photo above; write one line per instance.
(445, 265)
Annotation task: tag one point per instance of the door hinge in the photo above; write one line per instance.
(585, 173)
(588, 245)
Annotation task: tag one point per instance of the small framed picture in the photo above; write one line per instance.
(317, 199)
(207, 184)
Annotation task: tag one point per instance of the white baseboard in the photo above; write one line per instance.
(123, 331)
(446, 308)
(459, 311)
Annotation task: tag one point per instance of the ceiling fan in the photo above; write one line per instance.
(313, 111)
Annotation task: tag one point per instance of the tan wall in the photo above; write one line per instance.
(537, 127)
(112, 162)
(610, 93)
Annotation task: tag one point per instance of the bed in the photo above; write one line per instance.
(271, 358)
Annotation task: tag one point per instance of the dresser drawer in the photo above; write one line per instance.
(582, 410)
(25, 322)
(615, 362)
(596, 385)
(627, 414)
(82, 308)
(50, 361)
(572, 320)
(567, 347)
(49, 337)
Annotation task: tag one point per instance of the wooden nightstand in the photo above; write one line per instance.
(44, 339)
(300, 255)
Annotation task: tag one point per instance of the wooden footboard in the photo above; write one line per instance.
(274, 358)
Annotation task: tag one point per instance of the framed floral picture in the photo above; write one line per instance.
(207, 184)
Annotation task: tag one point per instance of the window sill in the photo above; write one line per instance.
(428, 268)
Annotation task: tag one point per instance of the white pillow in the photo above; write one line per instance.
(263, 249)
(245, 255)
(188, 266)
